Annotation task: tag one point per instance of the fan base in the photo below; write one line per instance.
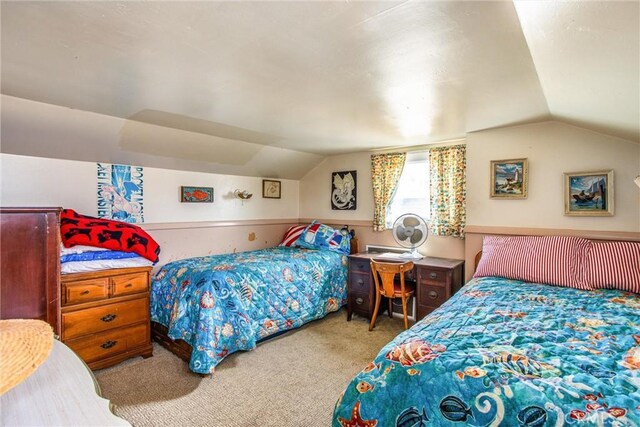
(411, 255)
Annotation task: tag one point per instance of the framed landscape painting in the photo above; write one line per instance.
(509, 178)
(588, 193)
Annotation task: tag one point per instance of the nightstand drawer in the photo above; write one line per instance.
(359, 283)
(432, 276)
(129, 284)
(359, 265)
(86, 290)
(105, 344)
(432, 295)
(360, 303)
(108, 316)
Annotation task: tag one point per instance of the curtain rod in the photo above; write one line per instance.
(422, 147)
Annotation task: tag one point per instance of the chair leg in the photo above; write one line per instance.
(404, 311)
(390, 307)
(375, 310)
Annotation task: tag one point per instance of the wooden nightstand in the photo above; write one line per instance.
(105, 315)
(437, 280)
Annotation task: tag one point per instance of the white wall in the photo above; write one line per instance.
(178, 227)
(36, 181)
(552, 149)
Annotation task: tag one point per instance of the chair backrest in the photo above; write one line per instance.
(387, 272)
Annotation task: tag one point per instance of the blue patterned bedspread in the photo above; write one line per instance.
(510, 353)
(224, 303)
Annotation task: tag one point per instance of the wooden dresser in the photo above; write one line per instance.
(105, 315)
(437, 279)
(30, 264)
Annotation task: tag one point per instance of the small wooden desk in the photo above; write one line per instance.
(437, 279)
(61, 392)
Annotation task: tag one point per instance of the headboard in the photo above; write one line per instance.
(474, 235)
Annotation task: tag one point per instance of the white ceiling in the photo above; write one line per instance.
(330, 77)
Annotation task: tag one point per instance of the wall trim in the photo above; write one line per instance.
(532, 231)
(349, 222)
(211, 224)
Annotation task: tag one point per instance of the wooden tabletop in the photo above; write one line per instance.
(61, 392)
(426, 261)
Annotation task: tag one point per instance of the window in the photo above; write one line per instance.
(412, 194)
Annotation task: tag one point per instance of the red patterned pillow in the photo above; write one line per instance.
(292, 234)
(77, 229)
(555, 260)
(615, 265)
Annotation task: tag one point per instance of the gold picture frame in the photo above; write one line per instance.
(509, 179)
(589, 193)
(271, 189)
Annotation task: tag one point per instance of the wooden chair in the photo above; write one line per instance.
(390, 288)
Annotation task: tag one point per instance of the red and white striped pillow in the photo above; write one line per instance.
(555, 260)
(292, 234)
(615, 265)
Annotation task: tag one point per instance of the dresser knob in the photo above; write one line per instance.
(360, 282)
(359, 301)
(108, 317)
(128, 285)
(108, 344)
(433, 295)
(433, 275)
(87, 292)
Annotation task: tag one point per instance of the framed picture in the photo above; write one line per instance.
(196, 194)
(271, 189)
(509, 178)
(344, 190)
(588, 193)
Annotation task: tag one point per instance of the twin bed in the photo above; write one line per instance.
(516, 352)
(206, 308)
(507, 352)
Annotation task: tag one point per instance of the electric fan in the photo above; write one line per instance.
(410, 231)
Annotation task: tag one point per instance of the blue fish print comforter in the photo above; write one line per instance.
(224, 303)
(510, 353)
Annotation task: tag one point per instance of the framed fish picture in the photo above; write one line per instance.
(588, 193)
(344, 190)
(509, 179)
(196, 194)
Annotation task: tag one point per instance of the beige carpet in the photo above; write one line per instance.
(292, 380)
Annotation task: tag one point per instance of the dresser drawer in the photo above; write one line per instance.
(359, 283)
(432, 295)
(85, 290)
(130, 284)
(108, 316)
(432, 276)
(105, 344)
(359, 265)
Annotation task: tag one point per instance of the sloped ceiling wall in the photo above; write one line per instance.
(269, 88)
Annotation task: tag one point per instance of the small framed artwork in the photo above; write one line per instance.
(196, 194)
(509, 178)
(588, 193)
(344, 190)
(271, 189)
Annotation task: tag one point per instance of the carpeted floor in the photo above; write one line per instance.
(292, 380)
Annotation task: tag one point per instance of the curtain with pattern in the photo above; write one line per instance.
(448, 190)
(385, 174)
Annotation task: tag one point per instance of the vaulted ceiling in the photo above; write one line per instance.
(330, 77)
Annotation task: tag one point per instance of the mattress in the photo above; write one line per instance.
(507, 352)
(224, 303)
